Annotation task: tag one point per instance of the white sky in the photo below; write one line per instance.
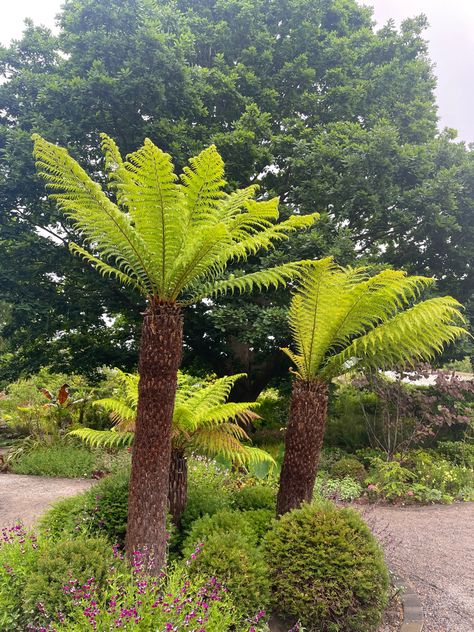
(451, 45)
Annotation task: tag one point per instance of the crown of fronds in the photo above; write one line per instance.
(204, 422)
(168, 237)
(345, 319)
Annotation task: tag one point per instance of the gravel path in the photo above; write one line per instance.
(432, 549)
(25, 498)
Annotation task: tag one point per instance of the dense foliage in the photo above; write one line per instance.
(308, 552)
(344, 112)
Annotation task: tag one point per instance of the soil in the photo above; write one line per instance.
(432, 549)
(25, 498)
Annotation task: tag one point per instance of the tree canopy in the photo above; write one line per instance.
(344, 114)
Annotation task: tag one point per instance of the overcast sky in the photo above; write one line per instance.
(451, 44)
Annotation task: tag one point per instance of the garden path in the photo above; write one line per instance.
(432, 549)
(25, 498)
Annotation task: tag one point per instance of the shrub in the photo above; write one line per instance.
(348, 466)
(108, 506)
(457, 452)
(67, 516)
(210, 490)
(255, 497)
(327, 569)
(19, 552)
(345, 489)
(329, 456)
(239, 565)
(260, 521)
(57, 460)
(390, 479)
(69, 562)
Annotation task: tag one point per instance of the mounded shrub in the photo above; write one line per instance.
(67, 562)
(348, 466)
(255, 497)
(66, 517)
(57, 460)
(239, 565)
(327, 569)
(108, 506)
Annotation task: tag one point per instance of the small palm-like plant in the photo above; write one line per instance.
(204, 423)
(347, 320)
(171, 239)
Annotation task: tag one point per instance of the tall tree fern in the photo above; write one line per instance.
(171, 238)
(342, 320)
(204, 423)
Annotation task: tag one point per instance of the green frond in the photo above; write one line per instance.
(264, 279)
(103, 225)
(121, 413)
(107, 270)
(203, 183)
(104, 438)
(343, 319)
(411, 336)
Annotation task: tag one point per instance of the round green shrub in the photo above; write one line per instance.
(221, 522)
(327, 569)
(348, 466)
(260, 521)
(255, 497)
(239, 565)
(72, 562)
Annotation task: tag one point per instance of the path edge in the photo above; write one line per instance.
(413, 618)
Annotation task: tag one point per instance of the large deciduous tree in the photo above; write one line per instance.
(171, 240)
(344, 113)
(345, 320)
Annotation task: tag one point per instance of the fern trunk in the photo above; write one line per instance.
(303, 443)
(159, 360)
(178, 489)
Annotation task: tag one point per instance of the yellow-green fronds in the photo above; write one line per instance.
(344, 318)
(203, 420)
(165, 235)
(104, 438)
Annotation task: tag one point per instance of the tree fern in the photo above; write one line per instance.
(345, 319)
(166, 236)
(203, 421)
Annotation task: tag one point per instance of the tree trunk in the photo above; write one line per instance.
(303, 443)
(178, 489)
(159, 360)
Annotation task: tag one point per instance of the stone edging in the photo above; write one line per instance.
(412, 608)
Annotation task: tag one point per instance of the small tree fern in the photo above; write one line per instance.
(204, 423)
(171, 238)
(349, 319)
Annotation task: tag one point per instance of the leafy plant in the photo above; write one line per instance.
(58, 460)
(172, 242)
(347, 319)
(254, 497)
(348, 466)
(326, 569)
(337, 489)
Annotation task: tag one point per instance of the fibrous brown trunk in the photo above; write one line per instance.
(159, 360)
(178, 489)
(303, 443)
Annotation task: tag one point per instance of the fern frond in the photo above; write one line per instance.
(265, 279)
(104, 438)
(105, 228)
(203, 183)
(413, 335)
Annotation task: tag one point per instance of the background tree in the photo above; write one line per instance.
(204, 423)
(344, 320)
(345, 115)
(171, 242)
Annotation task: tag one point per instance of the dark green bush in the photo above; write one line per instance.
(239, 565)
(108, 506)
(327, 569)
(255, 497)
(349, 466)
(457, 452)
(68, 561)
